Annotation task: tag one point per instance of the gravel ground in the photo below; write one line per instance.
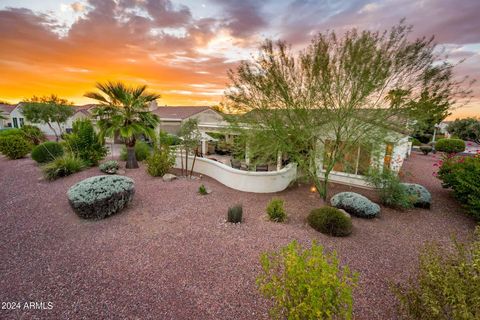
(170, 255)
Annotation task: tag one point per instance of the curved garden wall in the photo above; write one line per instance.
(248, 181)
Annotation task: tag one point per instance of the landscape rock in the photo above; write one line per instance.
(169, 177)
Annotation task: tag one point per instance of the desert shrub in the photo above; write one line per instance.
(160, 161)
(142, 151)
(234, 214)
(202, 190)
(33, 134)
(275, 210)
(63, 166)
(109, 167)
(47, 152)
(389, 188)
(461, 174)
(419, 195)
(101, 196)
(168, 139)
(84, 142)
(14, 146)
(450, 145)
(426, 149)
(447, 286)
(330, 221)
(306, 283)
(416, 142)
(355, 204)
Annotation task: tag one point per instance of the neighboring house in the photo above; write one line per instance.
(6, 110)
(16, 119)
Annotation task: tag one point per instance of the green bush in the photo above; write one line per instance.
(142, 151)
(47, 152)
(160, 161)
(275, 210)
(11, 132)
(426, 149)
(234, 214)
(14, 146)
(462, 175)
(416, 142)
(167, 139)
(33, 134)
(330, 221)
(389, 189)
(63, 166)
(109, 167)
(202, 190)
(306, 283)
(450, 145)
(84, 142)
(447, 286)
(355, 204)
(101, 196)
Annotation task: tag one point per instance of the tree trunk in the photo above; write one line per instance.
(181, 159)
(186, 162)
(131, 158)
(193, 164)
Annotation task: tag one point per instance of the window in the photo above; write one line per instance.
(21, 122)
(15, 122)
(356, 160)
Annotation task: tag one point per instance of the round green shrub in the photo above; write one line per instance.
(47, 151)
(330, 221)
(450, 145)
(142, 151)
(101, 196)
(14, 146)
(109, 167)
(275, 210)
(355, 204)
(426, 149)
(419, 195)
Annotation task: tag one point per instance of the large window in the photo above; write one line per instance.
(15, 122)
(356, 159)
(21, 122)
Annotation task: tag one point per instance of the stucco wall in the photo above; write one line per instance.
(258, 182)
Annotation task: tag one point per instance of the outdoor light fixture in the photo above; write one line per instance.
(313, 189)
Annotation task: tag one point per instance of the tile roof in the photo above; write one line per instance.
(178, 112)
(7, 108)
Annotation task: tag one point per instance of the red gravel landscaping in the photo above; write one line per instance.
(170, 255)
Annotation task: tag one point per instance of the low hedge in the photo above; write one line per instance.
(47, 151)
(450, 145)
(101, 196)
(330, 221)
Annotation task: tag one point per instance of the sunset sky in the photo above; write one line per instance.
(182, 49)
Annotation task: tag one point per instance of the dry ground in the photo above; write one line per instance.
(170, 255)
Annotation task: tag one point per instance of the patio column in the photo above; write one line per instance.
(279, 160)
(204, 148)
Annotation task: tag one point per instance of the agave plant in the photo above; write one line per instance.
(124, 109)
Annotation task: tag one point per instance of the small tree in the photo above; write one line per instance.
(191, 137)
(124, 110)
(336, 95)
(465, 129)
(49, 110)
(85, 143)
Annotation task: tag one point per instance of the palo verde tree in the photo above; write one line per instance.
(466, 129)
(191, 137)
(124, 109)
(320, 104)
(50, 110)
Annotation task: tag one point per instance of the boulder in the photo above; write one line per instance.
(355, 204)
(421, 197)
(100, 196)
(169, 177)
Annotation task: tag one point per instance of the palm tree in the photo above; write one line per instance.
(124, 109)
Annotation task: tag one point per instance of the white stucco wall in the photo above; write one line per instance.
(248, 181)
